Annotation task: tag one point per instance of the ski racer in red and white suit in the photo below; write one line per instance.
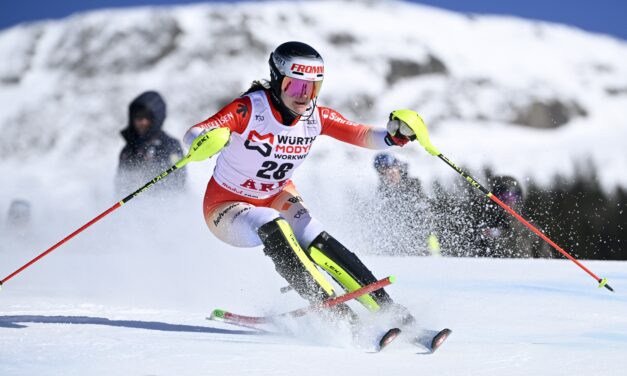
(254, 170)
(250, 198)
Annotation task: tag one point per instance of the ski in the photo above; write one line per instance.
(215, 316)
(428, 339)
(238, 319)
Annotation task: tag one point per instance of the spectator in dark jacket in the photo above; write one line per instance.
(402, 210)
(148, 150)
(502, 235)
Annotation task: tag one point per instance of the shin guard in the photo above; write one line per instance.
(347, 269)
(292, 263)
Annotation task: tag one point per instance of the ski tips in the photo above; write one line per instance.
(603, 283)
(392, 279)
(439, 339)
(388, 337)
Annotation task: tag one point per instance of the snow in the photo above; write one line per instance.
(130, 294)
(141, 311)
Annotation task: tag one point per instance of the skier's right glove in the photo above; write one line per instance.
(208, 143)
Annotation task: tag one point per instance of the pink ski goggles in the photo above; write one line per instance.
(297, 88)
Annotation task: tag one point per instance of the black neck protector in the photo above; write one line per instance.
(288, 116)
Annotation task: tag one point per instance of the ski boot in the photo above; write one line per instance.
(348, 270)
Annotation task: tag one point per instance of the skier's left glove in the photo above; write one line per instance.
(402, 127)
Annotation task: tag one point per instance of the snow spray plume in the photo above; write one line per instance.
(419, 128)
(203, 147)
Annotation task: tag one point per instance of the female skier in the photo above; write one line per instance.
(250, 200)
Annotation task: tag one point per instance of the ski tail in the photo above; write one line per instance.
(224, 315)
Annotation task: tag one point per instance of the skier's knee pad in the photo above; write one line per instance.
(346, 268)
(292, 263)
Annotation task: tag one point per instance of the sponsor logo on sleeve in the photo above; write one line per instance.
(242, 109)
(212, 123)
(336, 117)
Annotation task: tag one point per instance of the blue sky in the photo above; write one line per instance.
(604, 16)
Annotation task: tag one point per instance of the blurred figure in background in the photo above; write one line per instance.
(403, 210)
(502, 235)
(393, 178)
(468, 224)
(18, 219)
(148, 150)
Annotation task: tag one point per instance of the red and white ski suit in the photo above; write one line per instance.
(251, 182)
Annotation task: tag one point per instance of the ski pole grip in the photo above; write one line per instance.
(418, 126)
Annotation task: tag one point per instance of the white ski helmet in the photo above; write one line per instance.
(296, 69)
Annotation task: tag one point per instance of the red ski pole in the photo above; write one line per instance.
(602, 281)
(202, 148)
(422, 135)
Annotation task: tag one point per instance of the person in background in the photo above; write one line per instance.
(403, 210)
(149, 150)
(393, 175)
(501, 235)
(18, 218)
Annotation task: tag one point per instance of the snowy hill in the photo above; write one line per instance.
(528, 98)
(129, 295)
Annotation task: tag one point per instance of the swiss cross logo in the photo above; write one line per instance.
(317, 69)
(260, 143)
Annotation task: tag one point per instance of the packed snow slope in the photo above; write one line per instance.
(130, 294)
(115, 303)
